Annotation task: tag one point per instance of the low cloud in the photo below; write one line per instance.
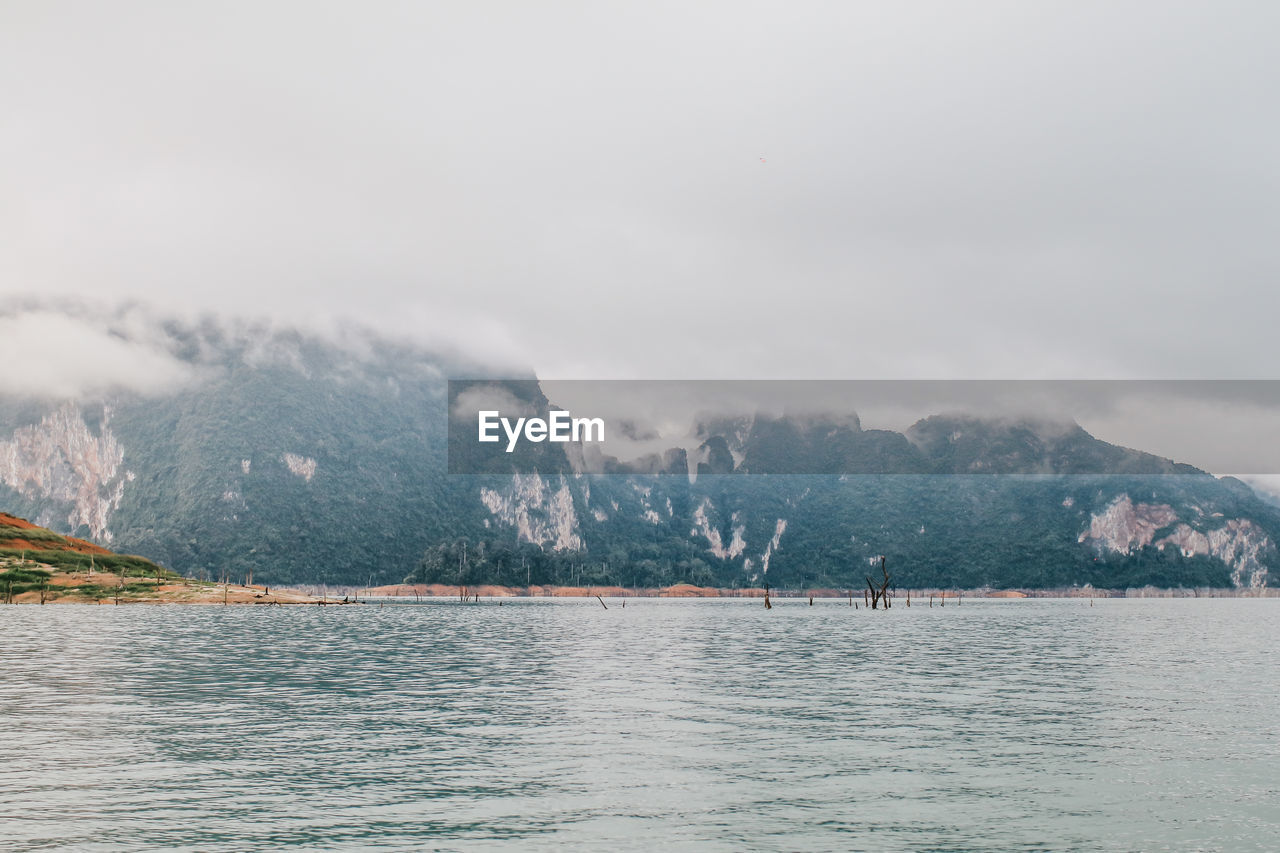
(55, 355)
(489, 398)
(1217, 425)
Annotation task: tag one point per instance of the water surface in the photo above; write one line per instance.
(695, 724)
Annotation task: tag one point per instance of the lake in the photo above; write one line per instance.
(688, 724)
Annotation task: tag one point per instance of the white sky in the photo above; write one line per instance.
(989, 189)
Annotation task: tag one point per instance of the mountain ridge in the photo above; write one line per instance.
(297, 460)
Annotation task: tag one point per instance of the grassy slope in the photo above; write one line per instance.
(38, 565)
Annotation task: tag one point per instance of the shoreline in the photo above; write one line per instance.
(65, 588)
(462, 593)
(106, 588)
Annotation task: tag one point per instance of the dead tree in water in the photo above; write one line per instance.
(880, 593)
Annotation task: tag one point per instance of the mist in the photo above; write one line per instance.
(58, 356)
(820, 190)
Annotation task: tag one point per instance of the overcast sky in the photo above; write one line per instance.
(668, 190)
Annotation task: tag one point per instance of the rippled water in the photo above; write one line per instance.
(1024, 725)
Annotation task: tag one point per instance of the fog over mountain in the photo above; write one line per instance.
(245, 246)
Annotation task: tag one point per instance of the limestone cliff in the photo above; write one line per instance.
(1124, 527)
(61, 461)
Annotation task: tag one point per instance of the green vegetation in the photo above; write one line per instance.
(75, 561)
(492, 561)
(17, 580)
(30, 569)
(936, 531)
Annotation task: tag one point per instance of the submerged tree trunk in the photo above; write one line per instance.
(880, 593)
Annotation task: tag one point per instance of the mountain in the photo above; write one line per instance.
(305, 458)
(1040, 531)
(286, 455)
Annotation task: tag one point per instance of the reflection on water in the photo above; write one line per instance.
(1024, 725)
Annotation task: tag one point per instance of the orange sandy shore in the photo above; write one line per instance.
(407, 590)
(680, 590)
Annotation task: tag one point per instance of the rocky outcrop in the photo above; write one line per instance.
(1124, 527)
(702, 527)
(61, 460)
(779, 528)
(299, 466)
(540, 515)
(1239, 543)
